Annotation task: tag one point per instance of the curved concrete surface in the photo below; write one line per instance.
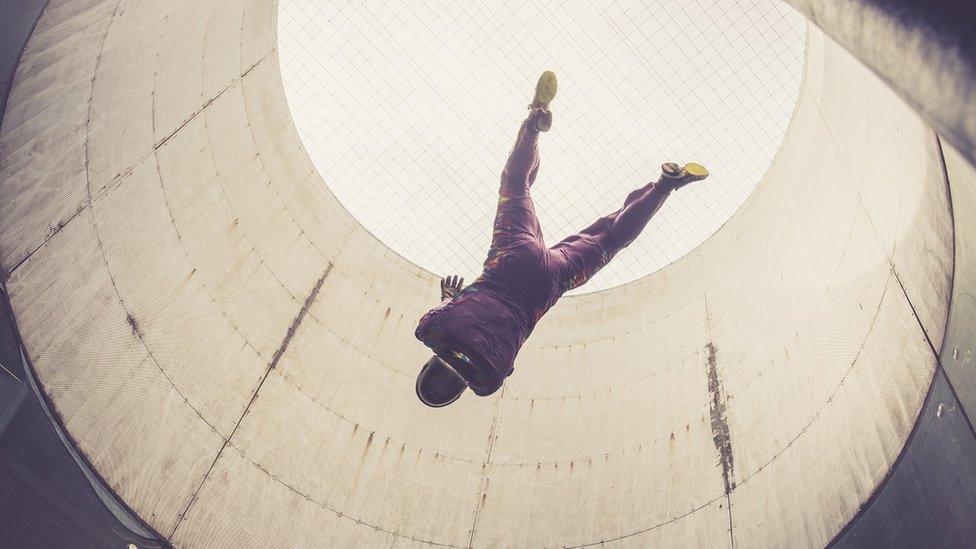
(925, 50)
(235, 354)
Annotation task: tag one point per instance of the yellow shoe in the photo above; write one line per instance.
(677, 176)
(545, 90)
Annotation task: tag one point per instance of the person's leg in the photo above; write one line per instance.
(582, 255)
(522, 165)
(516, 227)
(638, 209)
(588, 251)
(642, 204)
(523, 162)
(516, 223)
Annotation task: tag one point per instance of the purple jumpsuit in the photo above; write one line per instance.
(480, 331)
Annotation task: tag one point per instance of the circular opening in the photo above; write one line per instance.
(409, 112)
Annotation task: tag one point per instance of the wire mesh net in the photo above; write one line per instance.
(409, 109)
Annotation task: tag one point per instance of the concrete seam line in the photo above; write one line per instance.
(483, 485)
(285, 341)
(952, 284)
(338, 513)
(132, 321)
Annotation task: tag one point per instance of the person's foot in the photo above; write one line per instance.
(545, 92)
(676, 176)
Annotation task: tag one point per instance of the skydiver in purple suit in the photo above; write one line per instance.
(477, 330)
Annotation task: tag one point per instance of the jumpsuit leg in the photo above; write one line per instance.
(516, 224)
(592, 248)
(639, 208)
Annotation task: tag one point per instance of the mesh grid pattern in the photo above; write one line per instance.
(409, 109)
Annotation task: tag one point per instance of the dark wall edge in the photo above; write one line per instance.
(928, 496)
(15, 30)
(18, 19)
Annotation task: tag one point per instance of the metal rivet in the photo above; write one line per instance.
(938, 411)
(955, 353)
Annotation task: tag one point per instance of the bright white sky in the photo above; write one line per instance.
(409, 110)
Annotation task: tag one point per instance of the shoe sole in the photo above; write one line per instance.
(697, 171)
(682, 175)
(545, 89)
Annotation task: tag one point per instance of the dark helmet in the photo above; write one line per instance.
(438, 384)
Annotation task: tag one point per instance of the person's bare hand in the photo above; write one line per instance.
(451, 286)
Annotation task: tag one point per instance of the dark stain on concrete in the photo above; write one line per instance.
(297, 322)
(719, 421)
(271, 366)
(133, 324)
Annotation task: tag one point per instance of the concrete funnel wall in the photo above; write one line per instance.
(235, 354)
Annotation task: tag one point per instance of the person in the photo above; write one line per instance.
(477, 330)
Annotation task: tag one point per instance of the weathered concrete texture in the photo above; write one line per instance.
(235, 354)
(925, 50)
